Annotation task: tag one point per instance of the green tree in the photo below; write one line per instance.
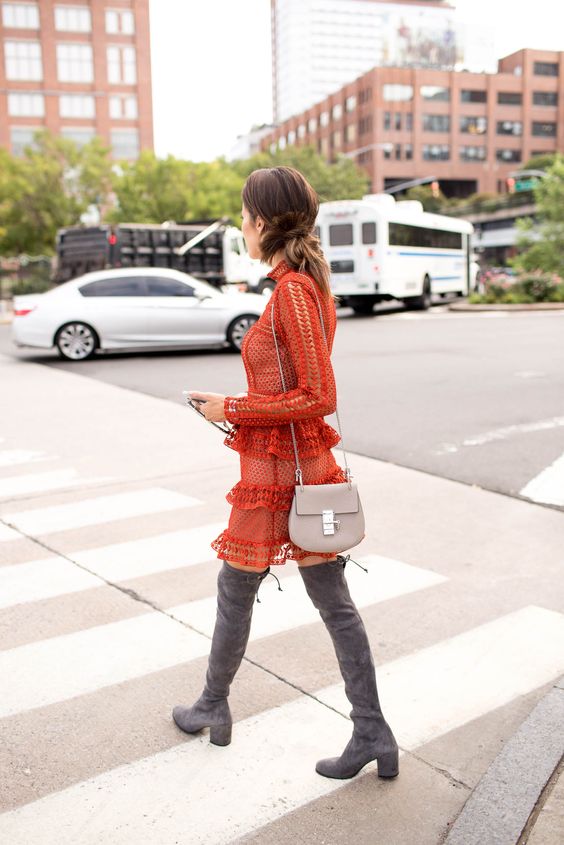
(542, 243)
(48, 188)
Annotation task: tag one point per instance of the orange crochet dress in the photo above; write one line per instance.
(257, 533)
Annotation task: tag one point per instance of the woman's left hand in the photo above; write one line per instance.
(213, 408)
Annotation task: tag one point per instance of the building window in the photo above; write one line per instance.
(436, 122)
(408, 152)
(350, 132)
(72, 19)
(123, 107)
(509, 98)
(474, 125)
(365, 159)
(337, 111)
(292, 136)
(545, 69)
(398, 151)
(365, 95)
(435, 92)
(365, 125)
(409, 121)
(121, 65)
(472, 153)
(312, 124)
(436, 152)
(544, 130)
(508, 155)
(398, 92)
(120, 22)
(26, 105)
(350, 103)
(509, 127)
(20, 15)
(336, 138)
(472, 96)
(125, 143)
(301, 130)
(81, 135)
(76, 105)
(388, 151)
(397, 121)
(387, 120)
(74, 63)
(23, 60)
(324, 118)
(282, 142)
(545, 98)
(21, 137)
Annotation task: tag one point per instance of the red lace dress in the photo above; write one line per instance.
(257, 533)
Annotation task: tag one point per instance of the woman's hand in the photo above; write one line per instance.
(212, 409)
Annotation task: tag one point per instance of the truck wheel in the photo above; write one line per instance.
(266, 287)
(238, 328)
(362, 306)
(423, 302)
(76, 341)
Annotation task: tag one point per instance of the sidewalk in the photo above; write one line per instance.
(463, 605)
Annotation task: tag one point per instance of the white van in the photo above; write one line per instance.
(381, 249)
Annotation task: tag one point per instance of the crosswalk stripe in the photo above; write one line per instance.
(134, 558)
(42, 579)
(199, 793)
(386, 579)
(41, 482)
(13, 457)
(548, 486)
(98, 509)
(52, 670)
(8, 534)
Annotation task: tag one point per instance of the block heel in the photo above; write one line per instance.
(388, 766)
(220, 734)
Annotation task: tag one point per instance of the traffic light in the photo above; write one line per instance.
(510, 185)
(435, 189)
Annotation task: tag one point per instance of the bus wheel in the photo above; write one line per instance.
(423, 302)
(362, 306)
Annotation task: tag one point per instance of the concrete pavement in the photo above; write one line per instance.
(109, 499)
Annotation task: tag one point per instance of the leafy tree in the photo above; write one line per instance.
(49, 187)
(542, 243)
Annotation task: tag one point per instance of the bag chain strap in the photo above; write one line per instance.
(299, 477)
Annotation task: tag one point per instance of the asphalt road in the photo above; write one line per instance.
(478, 398)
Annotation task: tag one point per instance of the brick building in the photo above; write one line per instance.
(468, 130)
(79, 69)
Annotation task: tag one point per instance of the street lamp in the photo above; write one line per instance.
(387, 146)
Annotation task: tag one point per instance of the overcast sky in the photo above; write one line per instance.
(212, 64)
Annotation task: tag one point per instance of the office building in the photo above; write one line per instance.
(78, 69)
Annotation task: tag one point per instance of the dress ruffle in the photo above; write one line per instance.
(313, 436)
(274, 497)
(260, 554)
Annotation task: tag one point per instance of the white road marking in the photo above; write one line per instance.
(548, 486)
(52, 670)
(8, 534)
(98, 509)
(20, 485)
(502, 434)
(13, 457)
(42, 579)
(132, 559)
(177, 796)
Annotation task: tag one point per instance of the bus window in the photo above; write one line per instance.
(369, 233)
(341, 234)
(317, 232)
(401, 234)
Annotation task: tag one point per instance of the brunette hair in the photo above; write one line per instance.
(288, 204)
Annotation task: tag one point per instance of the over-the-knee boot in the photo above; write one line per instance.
(236, 591)
(372, 737)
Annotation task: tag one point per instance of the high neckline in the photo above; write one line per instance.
(280, 270)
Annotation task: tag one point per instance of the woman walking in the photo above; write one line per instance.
(279, 209)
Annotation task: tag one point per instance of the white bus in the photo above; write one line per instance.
(381, 249)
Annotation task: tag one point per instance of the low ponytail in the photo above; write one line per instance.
(287, 203)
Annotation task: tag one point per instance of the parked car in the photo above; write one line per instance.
(134, 308)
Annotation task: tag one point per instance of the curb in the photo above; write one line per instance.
(500, 806)
(500, 306)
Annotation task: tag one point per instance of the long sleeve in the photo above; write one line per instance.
(296, 311)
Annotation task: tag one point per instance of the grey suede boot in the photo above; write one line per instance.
(372, 737)
(236, 591)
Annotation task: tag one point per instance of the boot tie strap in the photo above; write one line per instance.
(344, 560)
(261, 578)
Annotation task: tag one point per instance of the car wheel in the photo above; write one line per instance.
(423, 302)
(76, 341)
(238, 328)
(362, 306)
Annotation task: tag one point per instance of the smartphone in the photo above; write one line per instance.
(187, 398)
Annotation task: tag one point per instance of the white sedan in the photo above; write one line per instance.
(134, 308)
